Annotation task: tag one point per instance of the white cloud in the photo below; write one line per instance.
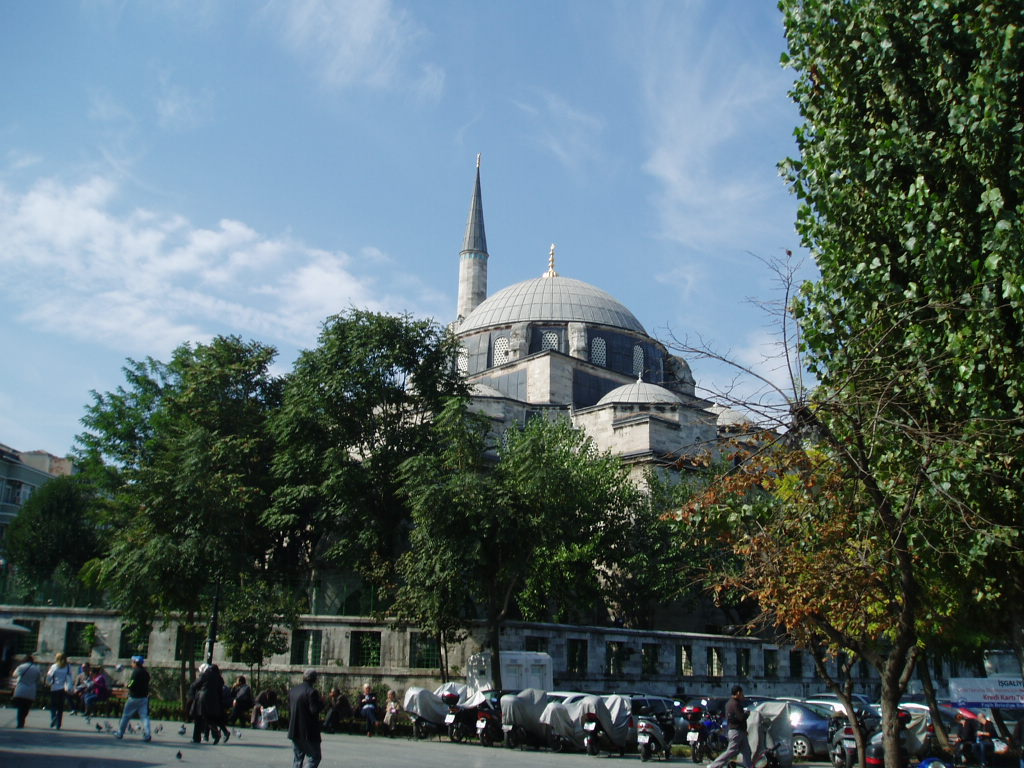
(357, 43)
(567, 132)
(144, 282)
(177, 108)
(18, 160)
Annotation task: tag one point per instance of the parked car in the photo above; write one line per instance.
(860, 701)
(810, 723)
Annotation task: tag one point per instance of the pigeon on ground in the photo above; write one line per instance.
(99, 728)
(181, 731)
(178, 755)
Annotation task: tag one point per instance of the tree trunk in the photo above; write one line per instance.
(494, 635)
(933, 706)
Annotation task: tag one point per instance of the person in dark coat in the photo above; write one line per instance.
(304, 705)
(241, 701)
(207, 709)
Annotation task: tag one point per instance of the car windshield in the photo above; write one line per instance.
(819, 709)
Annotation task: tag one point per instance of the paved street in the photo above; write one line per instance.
(79, 745)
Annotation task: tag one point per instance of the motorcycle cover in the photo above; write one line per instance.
(525, 709)
(422, 703)
(565, 720)
(612, 713)
(468, 697)
(768, 726)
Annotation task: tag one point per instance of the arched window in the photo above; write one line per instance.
(638, 360)
(462, 362)
(599, 351)
(502, 349)
(549, 340)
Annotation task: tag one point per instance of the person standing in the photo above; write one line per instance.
(26, 678)
(736, 718)
(138, 699)
(304, 724)
(207, 707)
(61, 680)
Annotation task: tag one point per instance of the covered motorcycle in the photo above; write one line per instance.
(605, 723)
(565, 723)
(521, 718)
(426, 710)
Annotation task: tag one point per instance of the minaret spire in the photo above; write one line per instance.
(473, 258)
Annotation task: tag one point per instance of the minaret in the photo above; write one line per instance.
(473, 259)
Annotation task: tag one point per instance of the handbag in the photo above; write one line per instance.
(268, 716)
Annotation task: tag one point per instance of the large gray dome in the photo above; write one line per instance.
(639, 393)
(551, 299)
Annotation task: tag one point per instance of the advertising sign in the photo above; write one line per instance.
(1003, 692)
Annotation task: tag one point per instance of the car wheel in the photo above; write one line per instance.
(802, 747)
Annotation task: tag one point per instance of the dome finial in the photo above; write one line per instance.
(551, 263)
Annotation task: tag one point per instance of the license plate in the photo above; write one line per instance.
(506, 727)
(590, 726)
(642, 738)
(481, 724)
(692, 737)
(850, 743)
(449, 719)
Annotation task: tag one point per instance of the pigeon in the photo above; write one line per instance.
(181, 731)
(99, 728)
(106, 726)
(238, 734)
(178, 755)
(159, 728)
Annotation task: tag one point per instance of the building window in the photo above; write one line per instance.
(307, 645)
(684, 658)
(536, 644)
(599, 351)
(365, 649)
(126, 645)
(614, 654)
(771, 663)
(796, 664)
(649, 658)
(716, 662)
(502, 350)
(743, 662)
(462, 362)
(576, 655)
(188, 645)
(638, 360)
(424, 651)
(78, 637)
(29, 641)
(549, 340)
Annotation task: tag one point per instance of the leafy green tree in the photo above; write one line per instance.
(355, 407)
(490, 517)
(54, 535)
(909, 177)
(253, 620)
(184, 452)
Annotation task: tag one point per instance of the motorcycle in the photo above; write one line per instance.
(427, 712)
(605, 724)
(520, 719)
(651, 740)
(488, 723)
(461, 721)
(703, 733)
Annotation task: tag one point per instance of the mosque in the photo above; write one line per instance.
(557, 344)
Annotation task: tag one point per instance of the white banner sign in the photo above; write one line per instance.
(1004, 692)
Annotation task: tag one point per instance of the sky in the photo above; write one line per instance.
(171, 170)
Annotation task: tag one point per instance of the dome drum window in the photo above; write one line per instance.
(599, 351)
(638, 360)
(502, 352)
(544, 339)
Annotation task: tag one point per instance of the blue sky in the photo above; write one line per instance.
(171, 170)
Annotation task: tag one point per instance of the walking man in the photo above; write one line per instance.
(736, 717)
(138, 699)
(304, 723)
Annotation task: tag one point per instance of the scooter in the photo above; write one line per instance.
(488, 725)
(460, 721)
(596, 738)
(651, 740)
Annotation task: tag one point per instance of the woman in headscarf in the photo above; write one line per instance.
(26, 677)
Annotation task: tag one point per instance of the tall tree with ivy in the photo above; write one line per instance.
(909, 179)
(184, 452)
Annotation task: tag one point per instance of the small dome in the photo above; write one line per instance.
(640, 392)
(728, 418)
(551, 299)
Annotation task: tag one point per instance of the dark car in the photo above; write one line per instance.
(811, 728)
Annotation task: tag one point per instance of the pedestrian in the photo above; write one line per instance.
(207, 709)
(138, 699)
(736, 718)
(304, 704)
(986, 739)
(966, 739)
(26, 679)
(60, 678)
(241, 701)
(368, 709)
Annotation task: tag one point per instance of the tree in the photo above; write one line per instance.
(184, 453)
(491, 516)
(355, 407)
(253, 619)
(909, 177)
(55, 534)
